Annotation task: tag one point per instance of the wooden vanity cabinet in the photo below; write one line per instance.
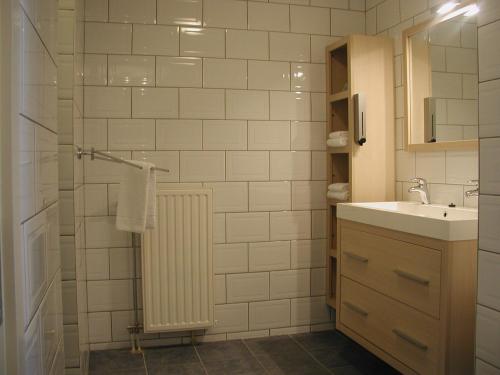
(408, 299)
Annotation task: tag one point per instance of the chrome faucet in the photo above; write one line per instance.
(474, 192)
(420, 188)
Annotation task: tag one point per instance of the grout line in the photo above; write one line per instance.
(309, 353)
(254, 356)
(199, 358)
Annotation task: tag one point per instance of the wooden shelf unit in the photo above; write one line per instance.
(359, 64)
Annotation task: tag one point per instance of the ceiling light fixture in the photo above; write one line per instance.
(473, 10)
(446, 7)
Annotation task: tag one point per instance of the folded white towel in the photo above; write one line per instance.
(338, 195)
(339, 134)
(137, 198)
(339, 187)
(336, 142)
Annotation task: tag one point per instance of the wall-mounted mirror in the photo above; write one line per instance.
(440, 72)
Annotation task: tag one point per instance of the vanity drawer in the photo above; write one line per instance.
(407, 272)
(403, 332)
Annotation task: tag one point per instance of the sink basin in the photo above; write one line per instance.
(432, 220)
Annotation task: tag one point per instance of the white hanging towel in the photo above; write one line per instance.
(137, 198)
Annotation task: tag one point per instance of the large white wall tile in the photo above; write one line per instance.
(246, 287)
(308, 135)
(268, 16)
(156, 40)
(290, 106)
(231, 318)
(489, 110)
(179, 134)
(461, 167)
(290, 165)
(247, 227)
(202, 42)
(152, 102)
(308, 253)
(229, 196)
(290, 284)
(488, 279)
(224, 73)
(179, 12)
(247, 104)
(131, 11)
(108, 38)
(202, 166)
(247, 165)
(109, 295)
(241, 44)
(310, 310)
(290, 47)
(162, 159)
(201, 103)
(224, 135)
(488, 335)
(231, 258)
(268, 135)
(490, 165)
(308, 77)
(179, 71)
(290, 225)
(308, 195)
(225, 13)
(268, 75)
(113, 102)
(127, 134)
(101, 232)
(489, 217)
(270, 196)
(489, 51)
(269, 256)
(310, 20)
(269, 314)
(345, 22)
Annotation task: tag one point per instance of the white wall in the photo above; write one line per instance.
(447, 172)
(237, 106)
(488, 308)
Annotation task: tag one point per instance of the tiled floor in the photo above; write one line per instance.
(315, 354)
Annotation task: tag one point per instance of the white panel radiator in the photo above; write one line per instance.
(177, 277)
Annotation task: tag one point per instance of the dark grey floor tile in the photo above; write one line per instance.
(240, 366)
(141, 371)
(222, 351)
(171, 355)
(325, 339)
(178, 369)
(282, 355)
(116, 362)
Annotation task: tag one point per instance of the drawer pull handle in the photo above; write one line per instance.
(410, 339)
(355, 308)
(411, 276)
(356, 256)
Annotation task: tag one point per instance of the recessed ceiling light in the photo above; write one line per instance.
(474, 9)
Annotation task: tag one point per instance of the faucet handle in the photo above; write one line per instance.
(419, 180)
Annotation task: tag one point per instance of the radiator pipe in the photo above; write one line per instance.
(134, 329)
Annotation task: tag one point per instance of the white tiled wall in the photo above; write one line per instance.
(488, 309)
(447, 172)
(229, 95)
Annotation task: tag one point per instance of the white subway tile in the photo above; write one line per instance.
(488, 335)
(202, 103)
(249, 335)
(388, 15)
(290, 106)
(308, 195)
(111, 102)
(179, 12)
(96, 10)
(231, 14)
(100, 171)
(308, 77)
(202, 166)
(318, 107)
(309, 20)
(96, 70)
(431, 166)
(489, 217)
(202, 42)
(268, 135)
(247, 165)
(269, 314)
(242, 44)
(99, 327)
(247, 227)
(179, 71)
(268, 75)
(339, 4)
(269, 196)
(225, 73)
(219, 289)
(490, 12)
(318, 281)
(156, 40)
(290, 225)
(131, 11)
(247, 104)
(290, 165)
(269, 256)
(489, 167)
(290, 284)
(246, 287)
(318, 225)
(121, 263)
(489, 51)
(127, 134)
(101, 232)
(290, 47)
(308, 135)
(152, 102)
(447, 85)
(162, 159)
(229, 196)
(310, 310)
(108, 38)
(405, 165)
(224, 135)
(410, 8)
(318, 45)
(179, 134)
(489, 111)
(345, 22)
(230, 318)
(96, 133)
(462, 112)
(97, 264)
(461, 60)
(483, 368)
(219, 228)
(268, 17)
(444, 194)
(231, 258)
(109, 295)
(308, 253)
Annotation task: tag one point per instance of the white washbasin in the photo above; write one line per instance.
(432, 220)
